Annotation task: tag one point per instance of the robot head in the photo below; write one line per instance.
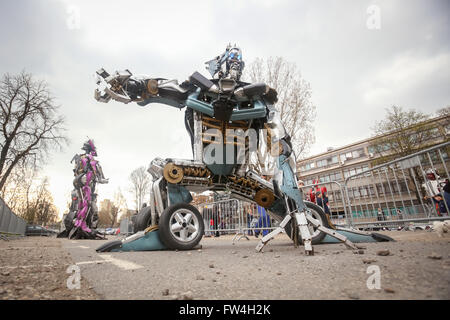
(232, 58)
(234, 63)
(89, 147)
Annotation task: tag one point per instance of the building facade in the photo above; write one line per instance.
(332, 168)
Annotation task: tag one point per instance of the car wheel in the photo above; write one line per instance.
(318, 214)
(181, 226)
(143, 219)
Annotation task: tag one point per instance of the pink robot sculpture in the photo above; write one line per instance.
(81, 222)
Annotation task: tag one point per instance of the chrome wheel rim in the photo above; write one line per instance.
(184, 225)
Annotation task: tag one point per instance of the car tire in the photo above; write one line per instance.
(181, 227)
(143, 219)
(318, 214)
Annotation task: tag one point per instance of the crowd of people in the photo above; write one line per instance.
(318, 195)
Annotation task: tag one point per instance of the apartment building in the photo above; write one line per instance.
(336, 164)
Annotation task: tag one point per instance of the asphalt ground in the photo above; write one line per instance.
(416, 266)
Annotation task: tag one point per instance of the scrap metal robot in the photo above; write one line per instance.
(214, 108)
(81, 221)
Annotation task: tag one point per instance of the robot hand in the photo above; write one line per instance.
(103, 181)
(112, 86)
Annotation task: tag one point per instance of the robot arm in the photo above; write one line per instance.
(122, 86)
(77, 159)
(100, 176)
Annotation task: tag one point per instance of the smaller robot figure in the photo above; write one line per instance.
(81, 222)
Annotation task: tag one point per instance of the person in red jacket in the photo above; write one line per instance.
(313, 191)
(312, 195)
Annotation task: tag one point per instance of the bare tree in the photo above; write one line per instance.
(45, 211)
(104, 214)
(119, 203)
(16, 190)
(140, 183)
(403, 132)
(31, 199)
(444, 112)
(29, 123)
(296, 109)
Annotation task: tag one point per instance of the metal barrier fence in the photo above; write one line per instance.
(235, 217)
(408, 189)
(255, 220)
(9, 222)
(126, 226)
(331, 200)
(221, 217)
(247, 219)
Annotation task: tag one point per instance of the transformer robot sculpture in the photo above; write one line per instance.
(215, 107)
(81, 221)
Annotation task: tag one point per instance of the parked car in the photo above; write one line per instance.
(36, 230)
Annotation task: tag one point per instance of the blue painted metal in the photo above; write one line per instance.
(289, 186)
(258, 110)
(149, 242)
(167, 101)
(353, 237)
(178, 194)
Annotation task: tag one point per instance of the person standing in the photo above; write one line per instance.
(380, 215)
(249, 220)
(446, 192)
(322, 201)
(264, 222)
(312, 194)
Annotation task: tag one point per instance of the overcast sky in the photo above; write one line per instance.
(357, 65)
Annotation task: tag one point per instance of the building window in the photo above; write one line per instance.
(321, 163)
(346, 174)
(434, 133)
(363, 191)
(358, 153)
(332, 160)
(380, 189)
